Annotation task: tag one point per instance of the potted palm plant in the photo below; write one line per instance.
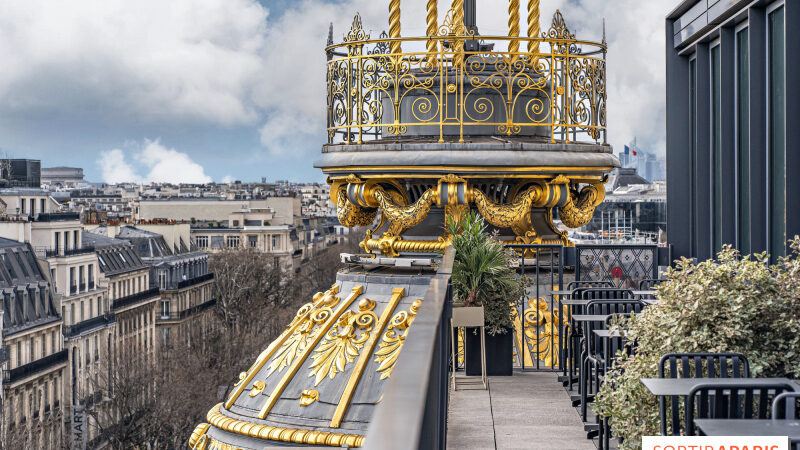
(482, 276)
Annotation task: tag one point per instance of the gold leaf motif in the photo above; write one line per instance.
(356, 32)
(309, 323)
(308, 397)
(351, 215)
(403, 217)
(393, 339)
(242, 376)
(343, 342)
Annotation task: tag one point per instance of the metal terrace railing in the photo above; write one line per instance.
(87, 325)
(453, 83)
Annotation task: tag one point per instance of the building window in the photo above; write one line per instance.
(252, 241)
(275, 241)
(202, 241)
(162, 279)
(233, 241)
(743, 138)
(777, 132)
(165, 309)
(41, 205)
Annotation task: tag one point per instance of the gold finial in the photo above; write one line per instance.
(394, 25)
(513, 29)
(431, 29)
(533, 27)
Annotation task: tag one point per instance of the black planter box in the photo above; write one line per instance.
(499, 353)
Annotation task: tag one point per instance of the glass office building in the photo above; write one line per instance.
(733, 69)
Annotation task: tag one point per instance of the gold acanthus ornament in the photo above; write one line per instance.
(579, 208)
(343, 342)
(394, 338)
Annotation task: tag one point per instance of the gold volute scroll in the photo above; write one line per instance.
(579, 209)
(394, 338)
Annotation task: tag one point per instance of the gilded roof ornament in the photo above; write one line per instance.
(356, 32)
(559, 30)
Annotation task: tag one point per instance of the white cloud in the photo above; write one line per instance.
(161, 164)
(115, 168)
(227, 179)
(148, 60)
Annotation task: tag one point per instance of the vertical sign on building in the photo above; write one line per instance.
(78, 428)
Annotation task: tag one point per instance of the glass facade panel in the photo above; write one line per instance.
(695, 182)
(777, 133)
(716, 152)
(743, 139)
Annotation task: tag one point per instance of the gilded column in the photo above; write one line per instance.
(513, 28)
(533, 26)
(432, 30)
(460, 29)
(394, 25)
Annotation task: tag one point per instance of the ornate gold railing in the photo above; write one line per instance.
(455, 84)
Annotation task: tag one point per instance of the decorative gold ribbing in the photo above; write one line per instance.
(361, 364)
(460, 29)
(199, 431)
(533, 27)
(302, 315)
(432, 28)
(393, 342)
(293, 435)
(513, 29)
(394, 26)
(292, 371)
(392, 245)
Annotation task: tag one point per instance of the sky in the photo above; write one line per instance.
(200, 90)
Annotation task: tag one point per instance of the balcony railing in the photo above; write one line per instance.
(135, 298)
(58, 217)
(88, 325)
(38, 366)
(55, 252)
(449, 85)
(196, 280)
(174, 316)
(415, 399)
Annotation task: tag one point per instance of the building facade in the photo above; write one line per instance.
(34, 376)
(729, 100)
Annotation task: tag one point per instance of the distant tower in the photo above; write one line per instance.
(421, 130)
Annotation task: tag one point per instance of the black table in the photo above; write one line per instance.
(668, 387)
(750, 427)
(590, 317)
(681, 387)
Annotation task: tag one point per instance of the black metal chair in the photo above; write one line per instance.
(786, 406)
(602, 361)
(696, 365)
(731, 401)
(590, 361)
(588, 284)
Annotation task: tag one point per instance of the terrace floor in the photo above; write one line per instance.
(530, 410)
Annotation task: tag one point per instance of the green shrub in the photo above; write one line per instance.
(730, 304)
(482, 273)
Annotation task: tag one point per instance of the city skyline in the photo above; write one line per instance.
(215, 99)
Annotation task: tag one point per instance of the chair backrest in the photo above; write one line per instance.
(731, 401)
(614, 306)
(649, 283)
(703, 365)
(588, 284)
(786, 406)
(605, 293)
